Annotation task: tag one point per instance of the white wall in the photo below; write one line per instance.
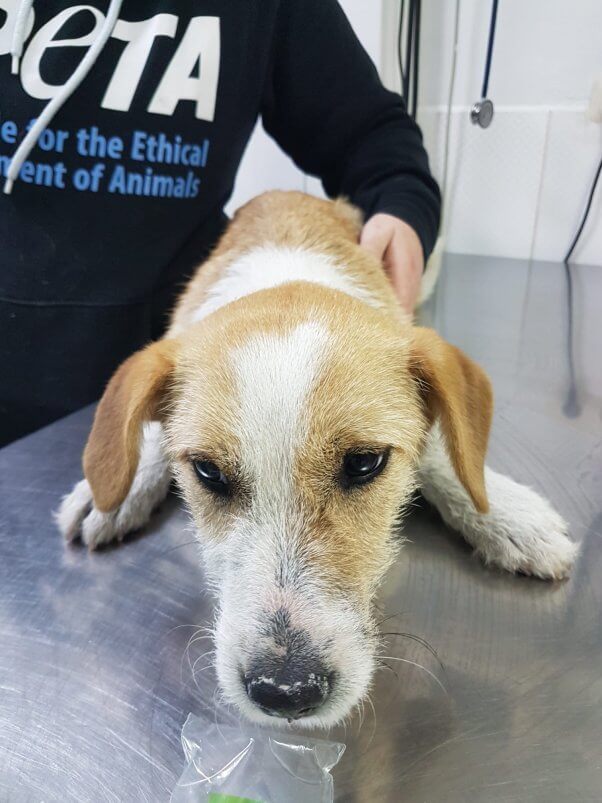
(518, 188)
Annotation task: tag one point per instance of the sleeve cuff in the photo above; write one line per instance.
(411, 212)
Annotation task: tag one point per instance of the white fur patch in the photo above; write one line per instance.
(274, 377)
(271, 266)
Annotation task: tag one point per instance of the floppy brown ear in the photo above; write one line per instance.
(133, 396)
(458, 394)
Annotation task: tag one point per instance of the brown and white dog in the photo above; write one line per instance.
(299, 410)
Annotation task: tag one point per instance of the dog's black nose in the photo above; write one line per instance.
(289, 694)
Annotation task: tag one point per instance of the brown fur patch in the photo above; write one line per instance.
(459, 394)
(366, 399)
(133, 396)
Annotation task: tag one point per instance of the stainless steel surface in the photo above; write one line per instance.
(94, 678)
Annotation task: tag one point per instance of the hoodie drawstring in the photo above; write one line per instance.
(16, 48)
(53, 106)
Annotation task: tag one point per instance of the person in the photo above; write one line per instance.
(116, 194)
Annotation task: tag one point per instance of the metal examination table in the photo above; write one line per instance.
(94, 685)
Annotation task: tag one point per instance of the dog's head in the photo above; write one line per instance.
(294, 421)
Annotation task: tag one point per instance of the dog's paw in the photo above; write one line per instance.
(522, 532)
(78, 518)
(73, 510)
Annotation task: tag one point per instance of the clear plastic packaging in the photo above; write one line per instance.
(240, 764)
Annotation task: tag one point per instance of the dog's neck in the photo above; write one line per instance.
(270, 266)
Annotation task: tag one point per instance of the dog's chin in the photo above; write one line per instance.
(349, 692)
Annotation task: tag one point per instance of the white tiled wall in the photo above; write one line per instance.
(572, 146)
(517, 189)
(493, 180)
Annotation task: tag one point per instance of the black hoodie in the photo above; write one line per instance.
(124, 194)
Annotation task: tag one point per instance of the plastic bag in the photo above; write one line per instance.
(244, 764)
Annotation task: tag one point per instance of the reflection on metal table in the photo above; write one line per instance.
(95, 679)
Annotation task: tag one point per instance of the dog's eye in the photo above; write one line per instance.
(362, 467)
(212, 477)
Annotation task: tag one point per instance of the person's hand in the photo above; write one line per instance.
(397, 245)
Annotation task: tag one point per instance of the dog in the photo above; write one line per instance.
(299, 410)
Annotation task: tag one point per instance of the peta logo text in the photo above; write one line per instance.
(192, 73)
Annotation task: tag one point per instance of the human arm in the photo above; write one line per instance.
(325, 105)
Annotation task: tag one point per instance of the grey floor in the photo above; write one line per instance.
(94, 680)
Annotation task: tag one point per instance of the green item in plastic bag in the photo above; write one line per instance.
(242, 763)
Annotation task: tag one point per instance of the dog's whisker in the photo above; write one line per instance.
(186, 654)
(419, 640)
(195, 639)
(361, 711)
(384, 665)
(197, 636)
(390, 616)
(200, 658)
(371, 704)
(179, 627)
(200, 672)
(177, 546)
(419, 666)
(202, 655)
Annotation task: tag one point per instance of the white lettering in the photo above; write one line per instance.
(140, 37)
(191, 75)
(199, 48)
(32, 81)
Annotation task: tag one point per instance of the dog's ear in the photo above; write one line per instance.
(134, 395)
(457, 393)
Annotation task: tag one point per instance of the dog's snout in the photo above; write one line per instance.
(291, 692)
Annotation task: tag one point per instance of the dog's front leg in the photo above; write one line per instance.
(520, 533)
(77, 516)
